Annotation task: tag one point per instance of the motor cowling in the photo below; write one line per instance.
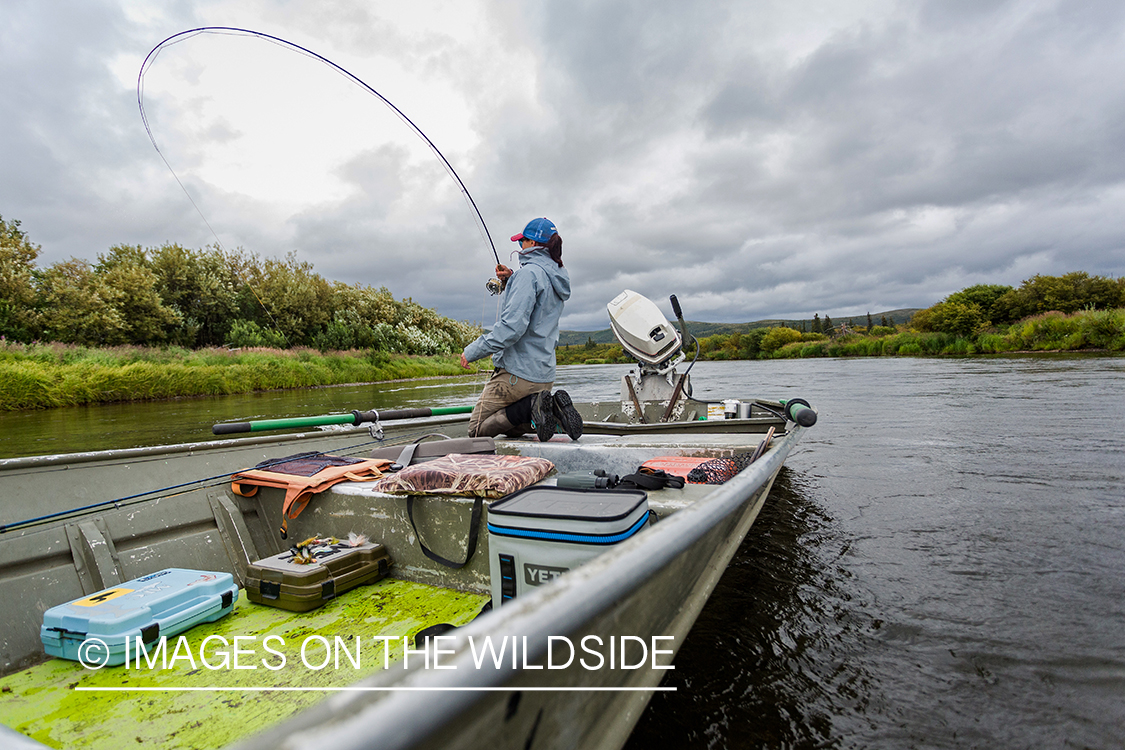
(644, 332)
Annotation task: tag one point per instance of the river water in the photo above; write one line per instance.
(941, 564)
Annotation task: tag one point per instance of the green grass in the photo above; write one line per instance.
(49, 375)
(1093, 329)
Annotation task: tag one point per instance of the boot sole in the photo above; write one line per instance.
(543, 415)
(568, 416)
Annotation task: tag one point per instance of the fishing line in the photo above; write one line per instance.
(234, 31)
(483, 307)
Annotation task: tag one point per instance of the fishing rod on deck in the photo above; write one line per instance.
(354, 418)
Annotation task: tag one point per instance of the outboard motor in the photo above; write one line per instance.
(648, 337)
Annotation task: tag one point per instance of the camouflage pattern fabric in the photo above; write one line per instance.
(471, 475)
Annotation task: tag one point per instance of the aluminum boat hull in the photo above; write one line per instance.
(652, 585)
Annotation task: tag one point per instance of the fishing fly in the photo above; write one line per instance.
(493, 285)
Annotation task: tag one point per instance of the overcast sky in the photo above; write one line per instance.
(758, 159)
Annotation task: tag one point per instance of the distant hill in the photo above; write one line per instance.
(702, 330)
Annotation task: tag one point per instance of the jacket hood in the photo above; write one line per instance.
(560, 279)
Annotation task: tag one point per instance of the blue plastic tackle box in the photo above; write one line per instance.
(539, 533)
(164, 603)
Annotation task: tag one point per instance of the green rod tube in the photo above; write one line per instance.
(441, 411)
(292, 422)
(354, 418)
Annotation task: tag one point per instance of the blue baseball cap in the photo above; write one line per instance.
(537, 230)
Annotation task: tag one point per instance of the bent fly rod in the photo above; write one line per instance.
(285, 44)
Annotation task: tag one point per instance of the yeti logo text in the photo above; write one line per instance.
(537, 575)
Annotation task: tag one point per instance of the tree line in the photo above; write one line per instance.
(968, 313)
(1073, 311)
(172, 295)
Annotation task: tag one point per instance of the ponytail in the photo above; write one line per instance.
(554, 248)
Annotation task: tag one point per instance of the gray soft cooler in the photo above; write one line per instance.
(539, 533)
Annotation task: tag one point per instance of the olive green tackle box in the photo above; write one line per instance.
(314, 572)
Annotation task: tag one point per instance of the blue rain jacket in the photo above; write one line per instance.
(523, 341)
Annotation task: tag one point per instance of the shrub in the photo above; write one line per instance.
(982, 295)
(752, 343)
(246, 334)
(956, 317)
(814, 349)
(17, 289)
(1068, 293)
(776, 338)
(994, 342)
(1042, 332)
(792, 350)
(853, 346)
(434, 341)
(335, 337)
(959, 346)
(1104, 328)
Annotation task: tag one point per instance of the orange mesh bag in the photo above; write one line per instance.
(719, 470)
(471, 475)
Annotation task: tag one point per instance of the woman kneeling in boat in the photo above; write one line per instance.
(518, 398)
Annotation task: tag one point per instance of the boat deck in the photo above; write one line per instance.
(200, 525)
(62, 704)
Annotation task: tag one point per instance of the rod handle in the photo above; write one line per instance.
(800, 411)
(229, 428)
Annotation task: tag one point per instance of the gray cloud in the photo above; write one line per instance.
(758, 160)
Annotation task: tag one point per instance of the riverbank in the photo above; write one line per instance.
(1089, 330)
(44, 376)
(1084, 331)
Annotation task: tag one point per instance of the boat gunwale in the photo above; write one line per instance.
(759, 425)
(155, 451)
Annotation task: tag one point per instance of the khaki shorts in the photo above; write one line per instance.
(503, 388)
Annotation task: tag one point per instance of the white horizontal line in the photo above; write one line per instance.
(369, 689)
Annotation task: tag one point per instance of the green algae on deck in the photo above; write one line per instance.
(44, 704)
